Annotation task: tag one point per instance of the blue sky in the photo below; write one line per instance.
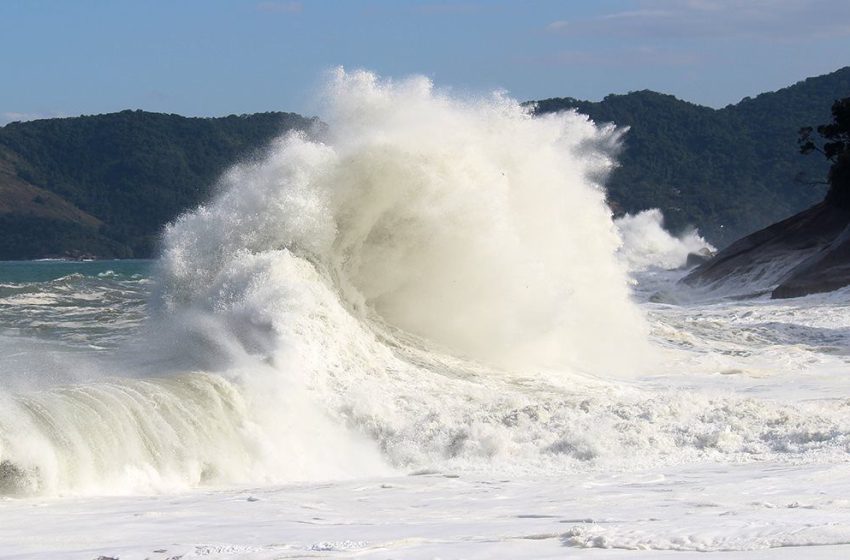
(216, 57)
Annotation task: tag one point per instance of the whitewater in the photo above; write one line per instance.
(418, 332)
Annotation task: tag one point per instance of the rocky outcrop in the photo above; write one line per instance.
(804, 254)
(825, 271)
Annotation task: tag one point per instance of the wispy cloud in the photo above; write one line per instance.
(558, 25)
(615, 58)
(12, 116)
(784, 20)
(281, 7)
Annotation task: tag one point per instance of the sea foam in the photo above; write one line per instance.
(429, 282)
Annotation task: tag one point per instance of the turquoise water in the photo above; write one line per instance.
(93, 304)
(47, 270)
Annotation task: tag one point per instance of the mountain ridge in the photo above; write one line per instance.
(104, 185)
(114, 180)
(727, 171)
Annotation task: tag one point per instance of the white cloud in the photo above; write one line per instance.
(783, 20)
(12, 116)
(616, 57)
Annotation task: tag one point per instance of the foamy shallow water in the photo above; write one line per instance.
(756, 481)
(768, 510)
(419, 334)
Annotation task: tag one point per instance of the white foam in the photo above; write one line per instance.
(647, 244)
(465, 222)
(335, 291)
(435, 284)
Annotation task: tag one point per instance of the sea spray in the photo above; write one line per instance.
(464, 222)
(430, 279)
(647, 244)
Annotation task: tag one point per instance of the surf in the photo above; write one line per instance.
(430, 281)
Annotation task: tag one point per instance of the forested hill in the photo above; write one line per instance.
(105, 185)
(729, 171)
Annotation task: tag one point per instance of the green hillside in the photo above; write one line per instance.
(728, 171)
(105, 185)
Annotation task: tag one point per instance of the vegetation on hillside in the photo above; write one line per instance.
(131, 171)
(105, 185)
(836, 149)
(728, 171)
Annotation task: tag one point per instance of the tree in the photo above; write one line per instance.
(836, 148)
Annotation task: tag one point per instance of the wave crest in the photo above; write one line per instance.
(463, 222)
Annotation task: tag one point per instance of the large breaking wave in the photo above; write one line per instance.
(466, 224)
(430, 282)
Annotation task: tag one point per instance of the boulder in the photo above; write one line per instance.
(806, 253)
(825, 271)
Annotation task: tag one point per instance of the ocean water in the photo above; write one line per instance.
(418, 335)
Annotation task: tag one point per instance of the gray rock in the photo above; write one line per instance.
(804, 254)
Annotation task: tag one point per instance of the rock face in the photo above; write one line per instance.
(826, 270)
(804, 254)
